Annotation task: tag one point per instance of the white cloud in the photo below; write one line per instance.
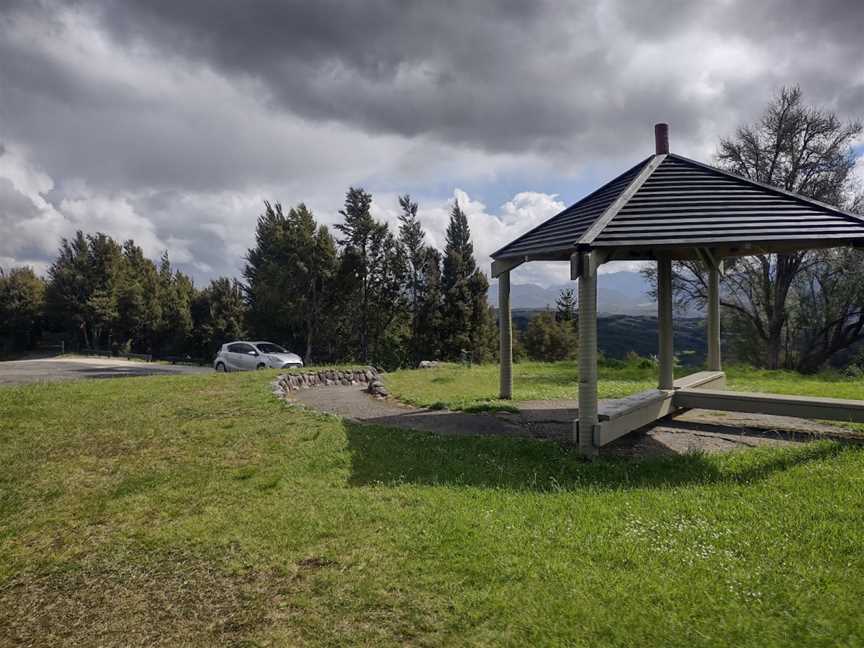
(32, 226)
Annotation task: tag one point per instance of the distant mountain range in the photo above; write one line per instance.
(618, 293)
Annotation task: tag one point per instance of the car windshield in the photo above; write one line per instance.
(269, 347)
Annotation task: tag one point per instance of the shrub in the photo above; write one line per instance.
(549, 340)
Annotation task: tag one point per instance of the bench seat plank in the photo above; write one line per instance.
(832, 409)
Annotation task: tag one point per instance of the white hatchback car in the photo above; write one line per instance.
(246, 356)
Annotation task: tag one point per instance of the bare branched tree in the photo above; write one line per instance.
(808, 151)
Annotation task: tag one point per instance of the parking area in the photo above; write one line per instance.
(18, 372)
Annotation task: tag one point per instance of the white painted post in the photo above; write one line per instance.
(666, 354)
(587, 354)
(505, 330)
(714, 362)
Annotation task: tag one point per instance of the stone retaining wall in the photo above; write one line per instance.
(303, 380)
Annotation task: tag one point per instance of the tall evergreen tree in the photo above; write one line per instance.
(266, 273)
(423, 285)
(81, 292)
(177, 292)
(465, 310)
(112, 296)
(321, 269)
(565, 305)
(138, 299)
(22, 301)
(429, 309)
(287, 274)
(357, 233)
(219, 315)
(373, 272)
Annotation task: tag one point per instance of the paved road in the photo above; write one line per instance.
(51, 369)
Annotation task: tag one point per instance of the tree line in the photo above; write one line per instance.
(361, 292)
(365, 292)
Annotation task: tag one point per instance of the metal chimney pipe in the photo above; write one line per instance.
(661, 138)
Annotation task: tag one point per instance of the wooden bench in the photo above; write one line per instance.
(831, 409)
(622, 415)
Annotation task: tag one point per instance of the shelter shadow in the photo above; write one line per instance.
(387, 455)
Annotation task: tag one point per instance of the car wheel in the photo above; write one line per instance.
(220, 366)
(261, 366)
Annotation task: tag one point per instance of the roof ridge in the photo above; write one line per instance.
(769, 187)
(617, 205)
(577, 203)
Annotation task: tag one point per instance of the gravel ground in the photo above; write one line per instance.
(18, 372)
(355, 404)
(694, 430)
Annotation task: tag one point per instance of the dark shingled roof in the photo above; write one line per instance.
(668, 201)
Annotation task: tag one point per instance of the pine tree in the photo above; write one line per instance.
(22, 302)
(372, 273)
(137, 287)
(286, 274)
(357, 232)
(176, 293)
(464, 287)
(82, 282)
(423, 285)
(429, 309)
(219, 313)
(413, 237)
(565, 306)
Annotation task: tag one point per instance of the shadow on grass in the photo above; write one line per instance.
(383, 455)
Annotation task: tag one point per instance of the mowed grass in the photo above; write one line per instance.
(456, 387)
(199, 510)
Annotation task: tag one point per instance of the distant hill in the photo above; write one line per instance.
(618, 293)
(619, 334)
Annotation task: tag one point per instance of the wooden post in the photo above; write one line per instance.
(587, 267)
(666, 354)
(505, 330)
(714, 362)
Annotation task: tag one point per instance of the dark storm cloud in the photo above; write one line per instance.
(495, 75)
(172, 120)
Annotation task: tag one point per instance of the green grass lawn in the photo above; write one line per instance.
(460, 388)
(456, 387)
(199, 510)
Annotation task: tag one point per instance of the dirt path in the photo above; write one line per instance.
(354, 403)
(694, 430)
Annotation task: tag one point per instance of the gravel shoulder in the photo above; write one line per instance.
(18, 372)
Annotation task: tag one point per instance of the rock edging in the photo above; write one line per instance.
(286, 383)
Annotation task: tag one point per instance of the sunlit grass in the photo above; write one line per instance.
(465, 388)
(476, 388)
(200, 510)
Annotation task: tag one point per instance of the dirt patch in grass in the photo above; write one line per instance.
(179, 601)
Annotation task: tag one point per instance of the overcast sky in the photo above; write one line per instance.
(170, 122)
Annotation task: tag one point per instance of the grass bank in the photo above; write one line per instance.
(198, 510)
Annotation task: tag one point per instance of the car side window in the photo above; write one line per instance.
(240, 348)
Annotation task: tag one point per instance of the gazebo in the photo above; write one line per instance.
(666, 208)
